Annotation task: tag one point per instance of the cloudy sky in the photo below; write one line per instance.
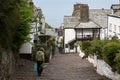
(55, 10)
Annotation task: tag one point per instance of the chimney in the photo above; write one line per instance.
(84, 12)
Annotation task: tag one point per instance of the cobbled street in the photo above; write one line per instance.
(61, 67)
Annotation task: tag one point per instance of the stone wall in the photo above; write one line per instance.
(7, 65)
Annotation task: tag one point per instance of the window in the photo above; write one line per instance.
(66, 45)
(71, 46)
(114, 28)
(110, 26)
(119, 28)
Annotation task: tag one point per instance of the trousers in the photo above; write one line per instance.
(39, 67)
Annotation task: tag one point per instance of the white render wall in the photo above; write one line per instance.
(69, 35)
(113, 26)
(103, 33)
(26, 48)
(102, 67)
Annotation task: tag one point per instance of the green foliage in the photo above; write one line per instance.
(117, 62)
(48, 26)
(109, 52)
(96, 48)
(23, 29)
(78, 43)
(44, 45)
(47, 42)
(15, 16)
(9, 19)
(115, 38)
(86, 47)
(52, 39)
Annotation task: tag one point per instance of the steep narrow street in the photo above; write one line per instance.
(61, 67)
(70, 67)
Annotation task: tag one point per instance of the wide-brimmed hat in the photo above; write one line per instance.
(42, 49)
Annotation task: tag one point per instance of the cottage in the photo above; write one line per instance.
(114, 22)
(79, 27)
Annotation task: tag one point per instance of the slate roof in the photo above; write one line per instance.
(37, 11)
(89, 24)
(115, 6)
(50, 32)
(117, 13)
(70, 21)
(99, 16)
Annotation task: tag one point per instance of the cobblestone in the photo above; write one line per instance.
(61, 67)
(70, 67)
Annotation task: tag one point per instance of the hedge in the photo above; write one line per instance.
(109, 50)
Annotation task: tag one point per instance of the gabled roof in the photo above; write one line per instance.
(117, 13)
(50, 32)
(99, 16)
(70, 21)
(89, 24)
(115, 6)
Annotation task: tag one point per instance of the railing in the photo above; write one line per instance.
(84, 37)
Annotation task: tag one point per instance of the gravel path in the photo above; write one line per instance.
(61, 67)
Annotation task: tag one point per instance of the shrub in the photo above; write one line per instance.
(115, 38)
(52, 39)
(117, 62)
(96, 47)
(48, 43)
(86, 47)
(109, 52)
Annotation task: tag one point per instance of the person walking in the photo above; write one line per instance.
(40, 57)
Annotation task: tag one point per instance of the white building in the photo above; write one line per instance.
(113, 25)
(36, 29)
(79, 28)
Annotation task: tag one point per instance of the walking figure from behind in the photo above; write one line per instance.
(40, 60)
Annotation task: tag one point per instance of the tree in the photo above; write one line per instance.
(23, 30)
(9, 19)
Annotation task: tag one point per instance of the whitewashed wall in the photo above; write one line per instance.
(26, 48)
(113, 26)
(103, 33)
(102, 67)
(69, 35)
(81, 54)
